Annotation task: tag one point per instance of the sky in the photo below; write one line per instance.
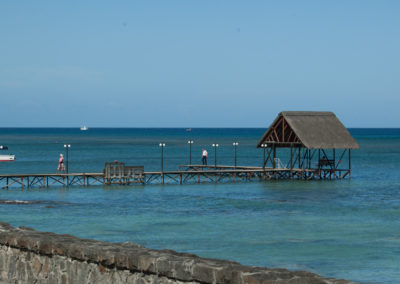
(195, 63)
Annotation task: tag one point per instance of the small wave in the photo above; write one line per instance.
(4, 201)
(27, 202)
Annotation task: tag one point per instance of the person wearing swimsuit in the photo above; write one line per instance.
(61, 167)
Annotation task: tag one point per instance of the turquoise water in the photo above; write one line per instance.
(345, 229)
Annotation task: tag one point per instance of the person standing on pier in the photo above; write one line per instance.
(204, 155)
(61, 167)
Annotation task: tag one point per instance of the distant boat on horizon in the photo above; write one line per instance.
(84, 128)
(188, 129)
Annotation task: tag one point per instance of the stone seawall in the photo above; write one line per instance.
(29, 256)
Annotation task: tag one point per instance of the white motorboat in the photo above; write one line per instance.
(84, 128)
(6, 158)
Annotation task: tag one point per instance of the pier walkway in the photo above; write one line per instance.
(186, 174)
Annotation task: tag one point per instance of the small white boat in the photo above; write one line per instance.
(7, 158)
(84, 128)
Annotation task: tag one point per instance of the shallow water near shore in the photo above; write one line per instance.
(344, 228)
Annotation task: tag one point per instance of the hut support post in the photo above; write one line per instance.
(334, 163)
(299, 158)
(291, 156)
(303, 162)
(307, 158)
(306, 162)
(349, 163)
(274, 156)
(319, 164)
(264, 161)
(291, 160)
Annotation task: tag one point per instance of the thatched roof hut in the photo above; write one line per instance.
(309, 129)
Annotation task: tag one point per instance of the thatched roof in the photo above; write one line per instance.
(314, 130)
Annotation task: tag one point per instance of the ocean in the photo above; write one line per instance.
(337, 228)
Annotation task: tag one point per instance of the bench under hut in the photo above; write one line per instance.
(315, 142)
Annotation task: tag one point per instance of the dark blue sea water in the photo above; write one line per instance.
(344, 228)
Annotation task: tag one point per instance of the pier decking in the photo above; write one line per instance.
(186, 174)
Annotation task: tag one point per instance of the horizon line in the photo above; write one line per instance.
(171, 127)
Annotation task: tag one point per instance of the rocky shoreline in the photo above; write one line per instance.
(29, 256)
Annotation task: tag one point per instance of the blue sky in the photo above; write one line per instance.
(197, 63)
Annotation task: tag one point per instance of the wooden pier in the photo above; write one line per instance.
(311, 140)
(186, 174)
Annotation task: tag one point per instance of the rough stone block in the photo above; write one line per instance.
(204, 273)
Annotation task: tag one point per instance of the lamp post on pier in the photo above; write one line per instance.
(162, 145)
(67, 146)
(235, 144)
(215, 154)
(264, 146)
(190, 142)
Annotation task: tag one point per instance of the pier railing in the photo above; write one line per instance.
(118, 173)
